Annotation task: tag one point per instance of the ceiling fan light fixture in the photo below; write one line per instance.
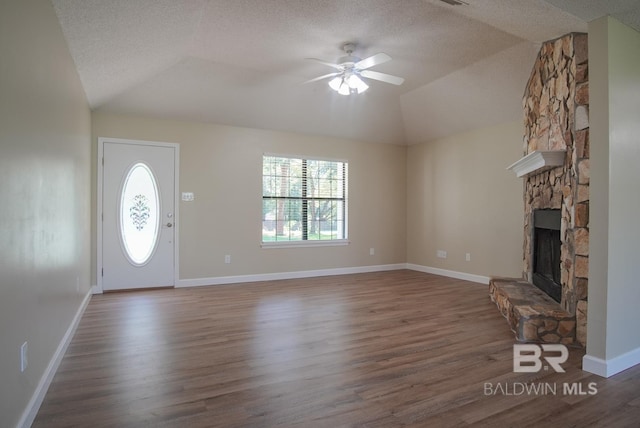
(347, 85)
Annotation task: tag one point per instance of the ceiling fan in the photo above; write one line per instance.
(351, 69)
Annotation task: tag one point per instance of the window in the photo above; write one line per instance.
(303, 200)
(139, 214)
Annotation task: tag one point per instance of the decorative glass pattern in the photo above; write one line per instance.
(139, 214)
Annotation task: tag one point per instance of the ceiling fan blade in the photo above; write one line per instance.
(388, 78)
(330, 64)
(376, 59)
(321, 77)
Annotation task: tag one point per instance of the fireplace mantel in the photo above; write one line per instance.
(538, 161)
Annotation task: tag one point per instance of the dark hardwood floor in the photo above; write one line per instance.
(383, 349)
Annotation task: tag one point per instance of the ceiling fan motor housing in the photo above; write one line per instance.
(349, 60)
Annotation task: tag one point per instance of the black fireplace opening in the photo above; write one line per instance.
(546, 252)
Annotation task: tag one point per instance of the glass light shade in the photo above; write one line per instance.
(335, 83)
(356, 83)
(344, 89)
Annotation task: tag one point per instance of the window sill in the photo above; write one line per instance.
(308, 244)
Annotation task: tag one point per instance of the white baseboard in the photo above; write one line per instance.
(197, 282)
(217, 280)
(450, 273)
(30, 412)
(608, 368)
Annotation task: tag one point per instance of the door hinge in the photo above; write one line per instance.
(102, 272)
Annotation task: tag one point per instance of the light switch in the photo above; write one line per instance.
(188, 196)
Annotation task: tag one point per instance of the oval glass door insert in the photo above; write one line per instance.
(139, 214)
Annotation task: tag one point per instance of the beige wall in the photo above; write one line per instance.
(614, 295)
(222, 165)
(461, 199)
(44, 188)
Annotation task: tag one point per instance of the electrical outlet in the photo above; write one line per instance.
(442, 254)
(467, 257)
(372, 251)
(227, 259)
(23, 357)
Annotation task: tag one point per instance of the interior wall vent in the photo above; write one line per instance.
(455, 2)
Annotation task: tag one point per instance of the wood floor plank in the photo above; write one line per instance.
(384, 349)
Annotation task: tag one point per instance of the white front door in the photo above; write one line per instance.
(138, 214)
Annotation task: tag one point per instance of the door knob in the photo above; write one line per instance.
(169, 224)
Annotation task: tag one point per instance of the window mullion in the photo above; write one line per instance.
(305, 202)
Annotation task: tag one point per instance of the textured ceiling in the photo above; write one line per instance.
(242, 62)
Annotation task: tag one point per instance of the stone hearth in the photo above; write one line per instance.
(556, 117)
(532, 315)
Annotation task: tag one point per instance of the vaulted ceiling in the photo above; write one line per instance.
(243, 62)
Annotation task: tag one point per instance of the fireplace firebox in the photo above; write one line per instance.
(546, 252)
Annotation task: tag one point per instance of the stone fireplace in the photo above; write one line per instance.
(556, 201)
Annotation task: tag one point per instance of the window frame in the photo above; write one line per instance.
(304, 202)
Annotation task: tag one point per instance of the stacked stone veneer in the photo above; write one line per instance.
(556, 117)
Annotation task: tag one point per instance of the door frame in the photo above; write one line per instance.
(97, 289)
